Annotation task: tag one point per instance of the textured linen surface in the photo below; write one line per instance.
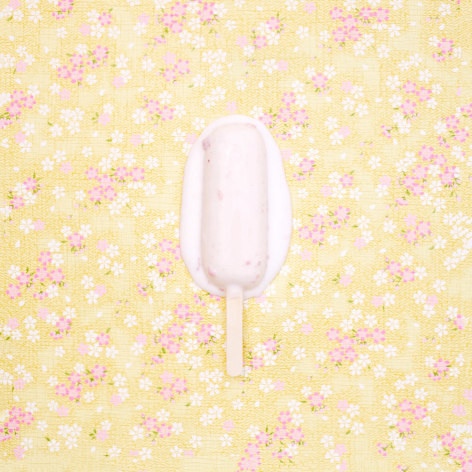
(356, 357)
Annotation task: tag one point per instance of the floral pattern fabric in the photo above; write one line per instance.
(356, 356)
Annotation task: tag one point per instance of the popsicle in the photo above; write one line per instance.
(235, 218)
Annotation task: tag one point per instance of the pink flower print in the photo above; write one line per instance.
(30, 184)
(285, 417)
(378, 335)
(405, 405)
(447, 440)
(271, 345)
(300, 116)
(95, 194)
(306, 165)
(284, 114)
(448, 176)
(20, 137)
(108, 192)
(181, 311)
(260, 42)
(23, 279)
(467, 466)
(262, 438)
(74, 378)
(419, 412)
(137, 173)
(408, 108)
(74, 392)
(167, 113)
(179, 9)
(180, 385)
(14, 109)
(13, 323)
(19, 452)
(267, 119)
(41, 274)
(288, 98)
(273, 23)
(92, 173)
(409, 87)
(346, 342)
(350, 354)
(204, 333)
(319, 81)
(170, 75)
(100, 52)
(164, 430)
(423, 228)
(365, 13)
(167, 19)
(441, 365)
(45, 258)
(394, 268)
(354, 33)
(102, 434)
(407, 274)
(459, 322)
(377, 301)
(176, 330)
(445, 45)
(333, 334)
(382, 14)
(103, 339)
(404, 425)
(121, 173)
(167, 377)
(182, 67)
(242, 41)
(336, 13)
(150, 424)
(164, 340)
(153, 106)
(363, 334)
(98, 371)
(420, 172)
(105, 18)
(458, 453)
(346, 180)
(257, 362)
(252, 449)
(280, 433)
(166, 393)
(350, 22)
(423, 94)
(410, 236)
(61, 389)
(76, 240)
(39, 225)
(296, 435)
(461, 135)
(316, 400)
(342, 213)
(17, 202)
(77, 60)
(19, 384)
(76, 75)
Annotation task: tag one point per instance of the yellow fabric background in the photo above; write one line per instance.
(357, 407)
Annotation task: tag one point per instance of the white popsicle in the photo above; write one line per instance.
(236, 217)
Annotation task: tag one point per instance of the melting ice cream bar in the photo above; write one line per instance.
(236, 217)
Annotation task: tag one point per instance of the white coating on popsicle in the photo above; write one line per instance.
(279, 213)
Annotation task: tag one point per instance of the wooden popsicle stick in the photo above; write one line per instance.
(234, 330)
